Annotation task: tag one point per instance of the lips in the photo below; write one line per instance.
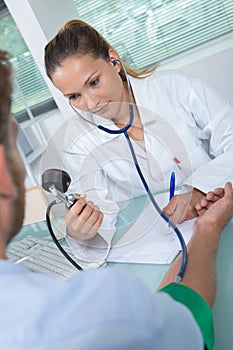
(102, 109)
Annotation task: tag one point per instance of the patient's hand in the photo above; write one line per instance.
(210, 198)
(218, 209)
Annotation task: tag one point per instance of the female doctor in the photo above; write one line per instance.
(179, 124)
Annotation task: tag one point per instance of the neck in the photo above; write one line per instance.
(123, 114)
(135, 131)
(121, 122)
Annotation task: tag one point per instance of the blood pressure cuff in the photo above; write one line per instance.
(199, 308)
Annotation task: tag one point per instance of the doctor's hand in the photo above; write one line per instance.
(83, 219)
(182, 206)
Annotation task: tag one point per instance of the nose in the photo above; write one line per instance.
(91, 101)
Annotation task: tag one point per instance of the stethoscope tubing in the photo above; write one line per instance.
(160, 212)
(148, 191)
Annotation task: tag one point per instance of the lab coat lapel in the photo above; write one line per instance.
(158, 127)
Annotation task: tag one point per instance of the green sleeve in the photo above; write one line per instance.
(199, 308)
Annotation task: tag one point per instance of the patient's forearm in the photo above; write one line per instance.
(200, 273)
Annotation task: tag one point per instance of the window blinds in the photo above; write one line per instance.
(149, 31)
(29, 86)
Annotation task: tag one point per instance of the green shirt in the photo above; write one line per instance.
(199, 308)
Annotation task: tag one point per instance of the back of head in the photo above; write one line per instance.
(5, 97)
(75, 38)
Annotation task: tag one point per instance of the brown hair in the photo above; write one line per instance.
(5, 97)
(77, 37)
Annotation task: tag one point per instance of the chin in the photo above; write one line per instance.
(111, 110)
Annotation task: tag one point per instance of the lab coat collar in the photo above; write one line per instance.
(142, 99)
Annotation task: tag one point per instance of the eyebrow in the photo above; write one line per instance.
(86, 82)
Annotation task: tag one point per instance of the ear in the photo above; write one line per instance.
(114, 58)
(7, 188)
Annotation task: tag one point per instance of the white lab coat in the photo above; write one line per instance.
(188, 129)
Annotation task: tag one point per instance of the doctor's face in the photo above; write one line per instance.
(92, 84)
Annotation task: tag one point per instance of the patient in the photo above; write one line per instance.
(106, 308)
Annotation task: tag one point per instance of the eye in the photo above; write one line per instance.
(94, 82)
(74, 97)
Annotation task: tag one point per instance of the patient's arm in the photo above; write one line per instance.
(200, 273)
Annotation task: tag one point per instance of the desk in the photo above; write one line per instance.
(152, 275)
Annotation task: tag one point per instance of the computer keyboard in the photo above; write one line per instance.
(43, 256)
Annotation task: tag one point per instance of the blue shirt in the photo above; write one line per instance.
(95, 310)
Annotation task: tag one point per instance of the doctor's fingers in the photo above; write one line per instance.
(76, 209)
(183, 212)
(173, 211)
(80, 207)
(171, 206)
(90, 228)
(90, 216)
(187, 205)
(84, 224)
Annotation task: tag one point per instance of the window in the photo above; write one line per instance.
(149, 31)
(31, 93)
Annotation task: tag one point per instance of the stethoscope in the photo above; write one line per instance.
(138, 169)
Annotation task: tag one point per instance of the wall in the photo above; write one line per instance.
(211, 62)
